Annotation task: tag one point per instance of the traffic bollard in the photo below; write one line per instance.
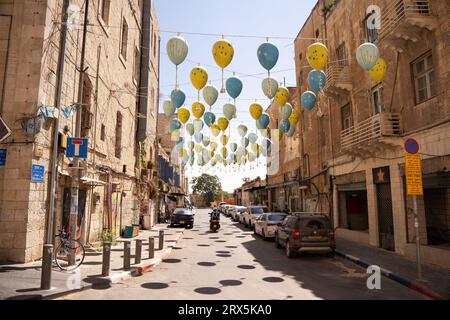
(47, 261)
(151, 248)
(161, 239)
(126, 255)
(138, 251)
(106, 262)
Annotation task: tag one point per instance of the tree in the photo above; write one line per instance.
(207, 186)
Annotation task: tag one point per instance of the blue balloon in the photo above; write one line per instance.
(209, 118)
(285, 126)
(309, 100)
(175, 124)
(317, 80)
(178, 98)
(234, 87)
(264, 121)
(268, 55)
(180, 143)
(198, 137)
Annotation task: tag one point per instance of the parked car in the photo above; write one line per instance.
(223, 207)
(236, 212)
(229, 210)
(253, 212)
(306, 232)
(182, 217)
(267, 223)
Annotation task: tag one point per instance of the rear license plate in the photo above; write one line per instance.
(315, 238)
(181, 221)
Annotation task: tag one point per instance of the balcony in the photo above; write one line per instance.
(372, 135)
(338, 79)
(403, 21)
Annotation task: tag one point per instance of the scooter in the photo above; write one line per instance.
(214, 225)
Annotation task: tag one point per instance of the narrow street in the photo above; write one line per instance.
(234, 264)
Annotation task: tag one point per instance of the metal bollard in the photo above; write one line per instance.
(126, 255)
(106, 262)
(161, 239)
(46, 276)
(138, 251)
(151, 247)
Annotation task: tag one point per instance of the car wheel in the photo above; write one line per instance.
(289, 252)
(277, 242)
(263, 235)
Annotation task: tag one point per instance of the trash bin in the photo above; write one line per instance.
(146, 222)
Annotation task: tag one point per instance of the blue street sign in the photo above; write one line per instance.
(37, 173)
(411, 146)
(3, 153)
(77, 148)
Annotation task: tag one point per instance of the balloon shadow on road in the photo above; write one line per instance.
(155, 285)
(206, 264)
(208, 290)
(230, 283)
(171, 260)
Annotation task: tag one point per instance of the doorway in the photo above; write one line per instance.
(385, 216)
(66, 210)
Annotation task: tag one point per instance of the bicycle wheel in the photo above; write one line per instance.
(62, 255)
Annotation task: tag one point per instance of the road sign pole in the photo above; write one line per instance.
(416, 228)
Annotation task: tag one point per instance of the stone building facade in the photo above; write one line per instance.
(119, 89)
(352, 141)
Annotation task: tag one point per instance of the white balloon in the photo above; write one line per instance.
(270, 87)
(177, 50)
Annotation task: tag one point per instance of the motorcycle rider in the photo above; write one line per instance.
(215, 215)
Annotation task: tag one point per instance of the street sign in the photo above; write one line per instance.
(37, 173)
(3, 153)
(413, 172)
(411, 146)
(5, 132)
(77, 148)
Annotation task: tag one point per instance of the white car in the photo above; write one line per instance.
(236, 212)
(228, 210)
(250, 215)
(267, 223)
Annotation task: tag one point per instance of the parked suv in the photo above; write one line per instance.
(250, 215)
(306, 232)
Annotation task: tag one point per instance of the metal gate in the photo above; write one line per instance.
(385, 216)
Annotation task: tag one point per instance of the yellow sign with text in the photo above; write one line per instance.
(413, 172)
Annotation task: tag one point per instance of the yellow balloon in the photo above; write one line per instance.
(256, 110)
(224, 139)
(294, 118)
(378, 72)
(211, 153)
(224, 152)
(223, 53)
(199, 77)
(198, 148)
(213, 146)
(215, 130)
(225, 162)
(183, 115)
(282, 96)
(198, 109)
(183, 153)
(222, 123)
(317, 56)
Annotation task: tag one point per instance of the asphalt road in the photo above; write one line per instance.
(234, 264)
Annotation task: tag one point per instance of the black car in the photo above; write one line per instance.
(306, 232)
(182, 217)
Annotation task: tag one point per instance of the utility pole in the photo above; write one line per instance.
(76, 163)
(47, 255)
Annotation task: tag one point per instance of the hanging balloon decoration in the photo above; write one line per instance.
(209, 118)
(223, 123)
(177, 49)
(286, 111)
(198, 109)
(242, 130)
(284, 126)
(268, 55)
(267, 144)
(317, 80)
(210, 94)
(317, 56)
(264, 121)
(183, 115)
(198, 136)
(229, 110)
(234, 87)
(252, 137)
(199, 77)
(245, 142)
(294, 117)
(367, 55)
(191, 145)
(269, 87)
(224, 152)
(206, 141)
(309, 100)
(215, 130)
(282, 96)
(256, 110)
(198, 125)
(378, 72)
(190, 129)
(223, 53)
(169, 108)
(213, 146)
(291, 131)
(233, 146)
(175, 124)
(178, 97)
(175, 135)
(224, 139)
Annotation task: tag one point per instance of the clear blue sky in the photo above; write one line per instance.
(233, 17)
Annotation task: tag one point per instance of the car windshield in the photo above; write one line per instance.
(182, 211)
(276, 217)
(259, 210)
(241, 210)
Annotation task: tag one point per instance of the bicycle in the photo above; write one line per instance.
(62, 252)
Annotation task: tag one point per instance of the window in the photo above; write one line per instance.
(424, 78)
(124, 42)
(103, 10)
(346, 116)
(103, 133)
(377, 100)
(341, 54)
(86, 114)
(118, 143)
(137, 58)
(371, 34)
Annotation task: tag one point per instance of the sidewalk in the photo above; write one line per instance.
(398, 268)
(22, 281)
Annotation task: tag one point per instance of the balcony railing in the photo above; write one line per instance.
(371, 130)
(398, 12)
(338, 76)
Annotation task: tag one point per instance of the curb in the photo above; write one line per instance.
(413, 285)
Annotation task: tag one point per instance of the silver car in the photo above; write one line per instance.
(250, 215)
(267, 223)
(236, 212)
